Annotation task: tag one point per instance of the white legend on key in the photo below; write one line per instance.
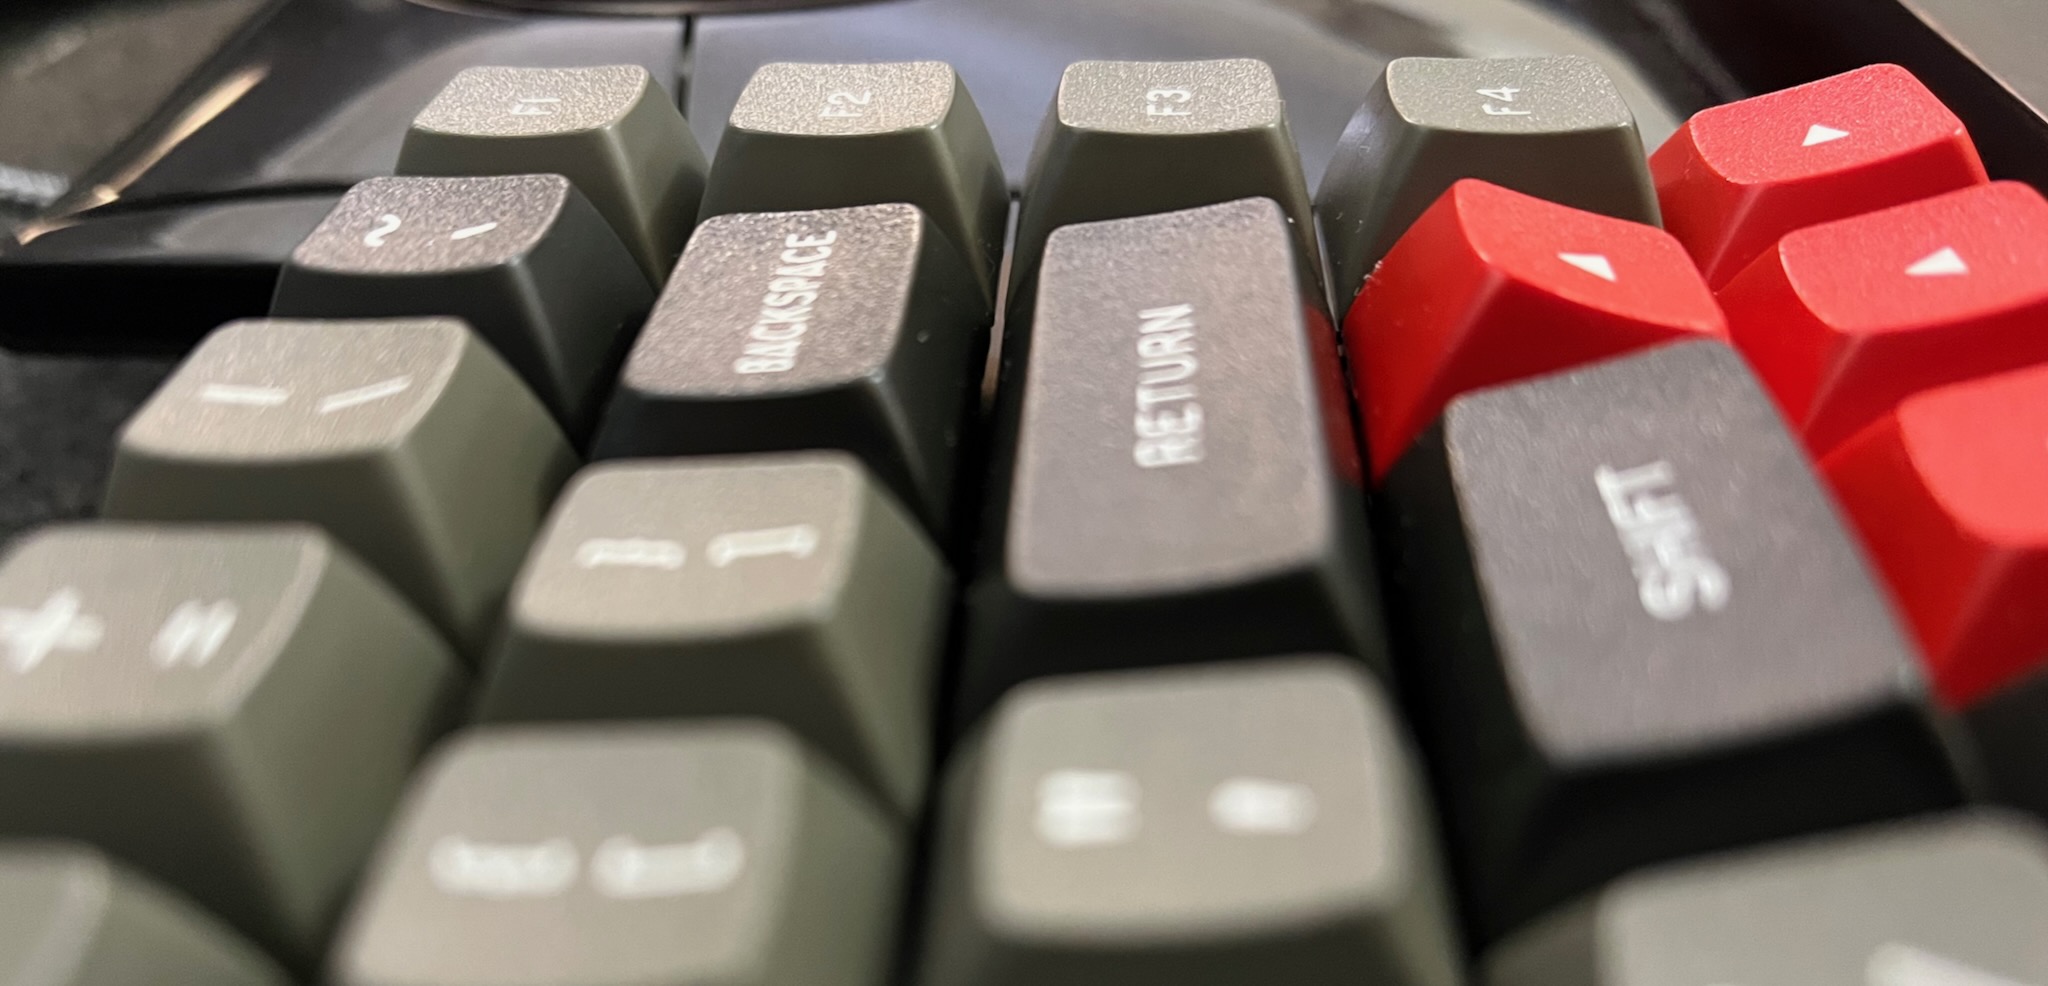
(1257, 806)
(30, 636)
(1082, 809)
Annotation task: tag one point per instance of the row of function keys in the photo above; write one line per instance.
(1106, 828)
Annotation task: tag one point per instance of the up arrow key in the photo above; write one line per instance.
(1595, 264)
(1945, 262)
(1822, 134)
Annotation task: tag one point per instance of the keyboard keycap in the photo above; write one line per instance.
(231, 709)
(1960, 900)
(1844, 319)
(1637, 631)
(69, 916)
(369, 429)
(1552, 127)
(1180, 482)
(1737, 177)
(1239, 823)
(610, 130)
(1948, 493)
(708, 855)
(524, 259)
(844, 328)
(1134, 138)
(832, 136)
(780, 586)
(1492, 286)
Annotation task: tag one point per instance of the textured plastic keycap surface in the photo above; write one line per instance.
(1639, 631)
(1552, 127)
(1492, 285)
(1737, 177)
(231, 709)
(715, 854)
(610, 129)
(1948, 492)
(1245, 822)
(854, 328)
(1954, 900)
(367, 428)
(1179, 480)
(781, 586)
(1844, 319)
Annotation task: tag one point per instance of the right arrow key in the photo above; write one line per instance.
(1845, 319)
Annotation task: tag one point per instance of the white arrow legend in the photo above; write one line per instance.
(230, 393)
(1819, 134)
(1595, 264)
(364, 395)
(1945, 262)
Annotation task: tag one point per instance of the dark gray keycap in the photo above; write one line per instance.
(829, 136)
(1639, 631)
(2010, 730)
(1959, 900)
(231, 709)
(851, 328)
(372, 429)
(683, 855)
(1131, 138)
(524, 259)
(70, 916)
(1250, 822)
(1178, 478)
(781, 586)
(1552, 127)
(609, 129)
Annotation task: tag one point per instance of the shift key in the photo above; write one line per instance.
(1178, 476)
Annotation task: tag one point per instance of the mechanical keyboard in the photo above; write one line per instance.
(1514, 521)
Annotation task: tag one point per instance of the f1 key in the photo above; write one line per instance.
(1737, 177)
(1639, 632)
(1182, 481)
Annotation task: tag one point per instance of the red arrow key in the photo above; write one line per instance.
(1844, 319)
(1951, 493)
(1737, 177)
(1491, 286)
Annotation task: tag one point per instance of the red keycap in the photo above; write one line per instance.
(1951, 494)
(1735, 178)
(1491, 286)
(1844, 319)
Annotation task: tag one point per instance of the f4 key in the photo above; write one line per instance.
(1640, 632)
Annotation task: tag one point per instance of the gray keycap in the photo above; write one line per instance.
(829, 136)
(1253, 822)
(1132, 138)
(69, 916)
(524, 259)
(843, 328)
(1960, 900)
(374, 430)
(717, 854)
(1177, 475)
(609, 129)
(1552, 127)
(781, 586)
(231, 709)
(1638, 631)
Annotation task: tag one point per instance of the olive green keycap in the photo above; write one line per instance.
(1249, 822)
(69, 916)
(1134, 138)
(1948, 900)
(408, 440)
(1553, 127)
(783, 586)
(610, 129)
(524, 259)
(851, 328)
(230, 709)
(716, 854)
(829, 136)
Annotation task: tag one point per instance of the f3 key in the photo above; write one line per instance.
(1639, 632)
